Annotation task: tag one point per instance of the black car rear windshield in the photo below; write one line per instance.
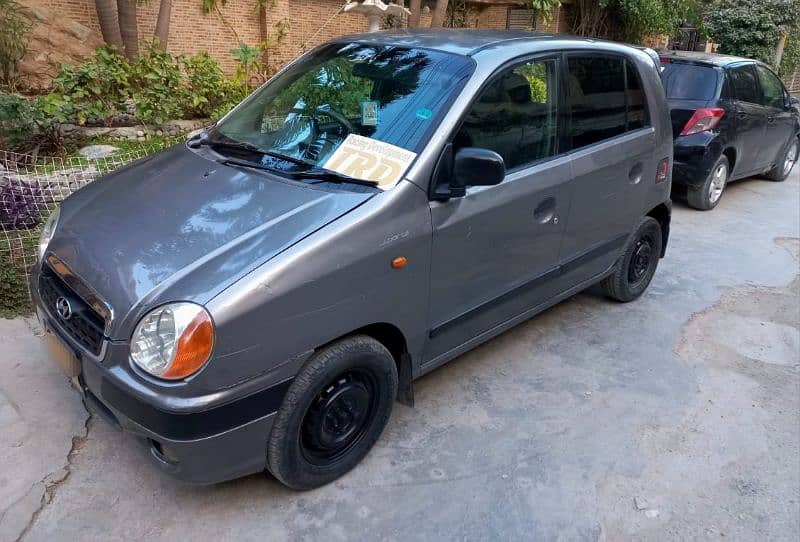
(689, 81)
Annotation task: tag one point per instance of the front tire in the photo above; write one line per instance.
(784, 166)
(706, 196)
(636, 267)
(334, 411)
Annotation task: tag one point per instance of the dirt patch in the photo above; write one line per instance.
(729, 466)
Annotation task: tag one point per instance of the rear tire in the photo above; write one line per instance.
(787, 162)
(707, 195)
(636, 267)
(334, 411)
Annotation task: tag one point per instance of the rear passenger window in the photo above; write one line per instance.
(596, 99)
(516, 115)
(637, 104)
(743, 81)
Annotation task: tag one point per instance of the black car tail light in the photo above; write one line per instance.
(704, 119)
(662, 172)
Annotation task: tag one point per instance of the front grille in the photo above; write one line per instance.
(85, 326)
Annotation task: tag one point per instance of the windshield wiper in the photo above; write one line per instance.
(244, 146)
(327, 175)
(247, 163)
(317, 174)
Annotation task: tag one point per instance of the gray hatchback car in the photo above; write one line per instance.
(258, 297)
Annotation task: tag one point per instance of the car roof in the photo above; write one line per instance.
(460, 40)
(706, 58)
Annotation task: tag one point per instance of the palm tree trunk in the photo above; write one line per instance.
(109, 26)
(162, 24)
(439, 14)
(415, 6)
(126, 11)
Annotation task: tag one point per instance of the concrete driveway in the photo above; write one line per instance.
(674, 417)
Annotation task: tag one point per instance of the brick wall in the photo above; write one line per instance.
(310, 22)
(192, 31)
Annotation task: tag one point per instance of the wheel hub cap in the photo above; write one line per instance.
(791, 158)
(337, 417)
(640, 261)
(718, 183)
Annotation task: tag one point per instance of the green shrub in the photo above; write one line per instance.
(14, 300)
(32, 122)
(16, 120)
(791, 53)
(95, 90)
(161, 86)
(158, 86)
(233, 93)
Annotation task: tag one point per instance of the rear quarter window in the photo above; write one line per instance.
(683, 81)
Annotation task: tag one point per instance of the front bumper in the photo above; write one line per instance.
(206, 446)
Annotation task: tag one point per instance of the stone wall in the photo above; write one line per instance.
(173, 128)
(57, 39)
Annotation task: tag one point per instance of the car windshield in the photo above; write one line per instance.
(689, 81)
(389, 94)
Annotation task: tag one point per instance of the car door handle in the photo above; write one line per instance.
(742, 114)
(546, 211)
(770, 119)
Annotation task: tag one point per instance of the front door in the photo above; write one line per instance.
(495, 248)
(612, 144)
(751, 120)
(780, 119)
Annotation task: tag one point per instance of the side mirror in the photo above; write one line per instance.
(473, 166)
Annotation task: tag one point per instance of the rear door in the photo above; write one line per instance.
(612, 144)
(751, 119)
(780, 119)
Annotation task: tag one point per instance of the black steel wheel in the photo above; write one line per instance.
(641, 259)
(338, 417)
(334, 411)
(637, 265)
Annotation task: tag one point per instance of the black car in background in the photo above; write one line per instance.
(731, 118)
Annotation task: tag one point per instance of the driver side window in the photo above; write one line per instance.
(772, 88)
(516, 115)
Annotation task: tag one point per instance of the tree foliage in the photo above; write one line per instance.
(752, 28)
(631, 20)
(15, 28)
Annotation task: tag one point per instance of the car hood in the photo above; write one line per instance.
(178, 226)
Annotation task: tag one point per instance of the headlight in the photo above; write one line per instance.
(173, 341)
(47, 233)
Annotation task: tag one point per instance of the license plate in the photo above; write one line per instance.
(65, 358)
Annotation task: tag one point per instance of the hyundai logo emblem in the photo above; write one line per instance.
(63, 308)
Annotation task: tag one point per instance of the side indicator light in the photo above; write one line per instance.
(662, 172)
(399, 262)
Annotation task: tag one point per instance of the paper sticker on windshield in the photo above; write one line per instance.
(369, 113)
(371, 160)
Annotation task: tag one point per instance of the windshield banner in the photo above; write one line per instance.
(371, 160)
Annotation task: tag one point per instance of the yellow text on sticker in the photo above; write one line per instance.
(371, 160)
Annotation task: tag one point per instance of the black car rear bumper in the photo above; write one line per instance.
(694, 158)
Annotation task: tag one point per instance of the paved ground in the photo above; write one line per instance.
(674, 417)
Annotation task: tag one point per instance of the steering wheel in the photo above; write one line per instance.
(338, 117)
